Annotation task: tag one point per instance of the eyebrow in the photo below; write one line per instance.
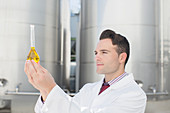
(104, 50)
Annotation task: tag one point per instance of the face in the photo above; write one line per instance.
(107, 59)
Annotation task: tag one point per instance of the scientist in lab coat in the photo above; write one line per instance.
(117, 92)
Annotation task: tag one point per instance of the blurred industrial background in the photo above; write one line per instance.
(66, 34)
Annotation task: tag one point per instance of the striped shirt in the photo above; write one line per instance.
(117, 78)
(105, 85)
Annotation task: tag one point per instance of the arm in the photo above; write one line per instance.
(56, 100)
(59, 102)
(39, 77)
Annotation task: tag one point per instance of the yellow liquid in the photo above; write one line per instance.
(33, 55)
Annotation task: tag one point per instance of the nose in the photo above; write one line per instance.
(97, 57)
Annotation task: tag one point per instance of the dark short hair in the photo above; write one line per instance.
(119, 40)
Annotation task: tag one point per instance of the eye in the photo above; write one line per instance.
(104, 52)
(95, 53)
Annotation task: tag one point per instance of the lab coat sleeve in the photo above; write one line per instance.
(39, 105)
(59, 102)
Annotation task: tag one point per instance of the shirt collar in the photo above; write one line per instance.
(116, 79)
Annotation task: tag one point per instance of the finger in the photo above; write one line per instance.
(42, 69)
(35, 65)
(30, 78)
(31, 81)
(33, 84)
(37, 68)
(30, 69)
(26, 69)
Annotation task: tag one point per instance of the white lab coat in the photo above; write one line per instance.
(125, 96)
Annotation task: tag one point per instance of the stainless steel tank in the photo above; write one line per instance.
(51, 33)
(145, 23)
(135, 19)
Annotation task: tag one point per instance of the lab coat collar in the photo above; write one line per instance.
(121, 83)
(124, 81)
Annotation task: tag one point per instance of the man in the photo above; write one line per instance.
(117, 92)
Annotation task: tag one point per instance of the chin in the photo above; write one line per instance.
(99, 72)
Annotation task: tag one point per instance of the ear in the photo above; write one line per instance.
(122, 57)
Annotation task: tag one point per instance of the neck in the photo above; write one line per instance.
(109, 77)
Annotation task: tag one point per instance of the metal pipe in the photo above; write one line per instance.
(157, 93)
(65, 36)
(33, 93)
(162, 43)
(77, 82)
(21, 93)
(72, 94)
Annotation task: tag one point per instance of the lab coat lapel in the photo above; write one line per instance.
(124, 81)
(97, 88)
(111, 93)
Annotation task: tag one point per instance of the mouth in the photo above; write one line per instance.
(99, 64)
